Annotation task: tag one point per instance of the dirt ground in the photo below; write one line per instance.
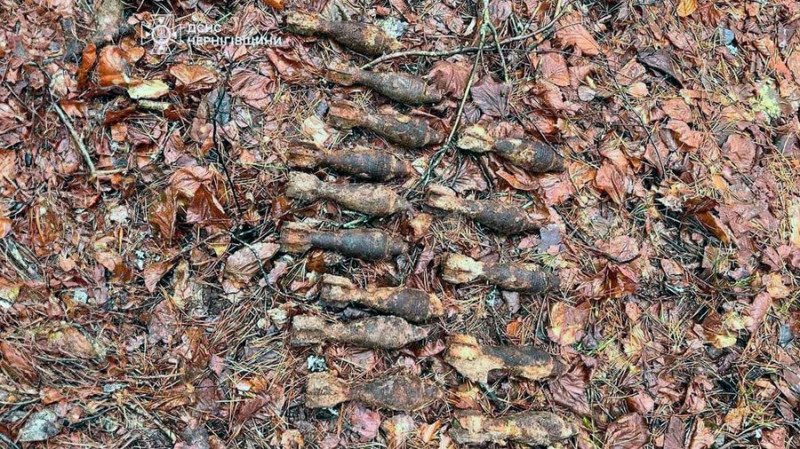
(147, 300)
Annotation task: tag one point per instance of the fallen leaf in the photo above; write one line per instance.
(553, 68)
(611, 180)
(193, 77)
(570, 32)
(148, 89)
(154, 272)
(249, 260)
(794, 223)
(567, 323)
(758, 310)
(741, 151)
(491, 97)
(450, 77)
(702, 437)
(18, 363)
(113, 68)
(162, 214)
(365, 423)
(569, 389)
(622, 247)
(71, 342)
(627, 432)
(686, 7)
(675, 435)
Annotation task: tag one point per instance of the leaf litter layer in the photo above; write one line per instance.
(647, 150)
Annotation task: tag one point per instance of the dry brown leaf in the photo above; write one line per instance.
(553, 68)
(567, 323)
(147, 89)
(71, 342)
(113, 68)
(193, 77)
(741, 151)
(450, 77)
(611, 180)
(569, 389)
(491, 97)
(571, 32)
(627, 432)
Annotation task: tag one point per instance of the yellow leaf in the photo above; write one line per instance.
(686, 7)
(148, 89)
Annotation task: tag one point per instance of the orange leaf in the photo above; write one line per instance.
(686, 7)
(113, 68)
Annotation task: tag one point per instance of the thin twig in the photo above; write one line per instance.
(496, 36)
(78, 141)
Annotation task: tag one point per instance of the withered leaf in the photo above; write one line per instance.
(571, 33)
(569, 389)
(627, 432)
(567, 323)
(492, 97)
(244, 263)
(113, 68)
(193, 77)
(686, 7)
(162, 214)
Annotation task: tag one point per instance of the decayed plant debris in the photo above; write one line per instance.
(412, 304)
(361, 162)
(526, 277)
(371, 199)
(394, 392)
(410, 132)
(367, 244)
(387, 332)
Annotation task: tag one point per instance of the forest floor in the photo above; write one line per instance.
(145, 300)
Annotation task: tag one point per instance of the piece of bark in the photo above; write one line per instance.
(366, 244)
(378, 332)
(530, 155)
(412, 304)
(500, 216)
(475, 361)
(364, 38)
(533, 428)
(404, 130)
(398, 392)
(361, 162)
(372, 199)
(401, 87)
(520, 277)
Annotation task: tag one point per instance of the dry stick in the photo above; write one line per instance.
(437, 54)
(78, 141)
